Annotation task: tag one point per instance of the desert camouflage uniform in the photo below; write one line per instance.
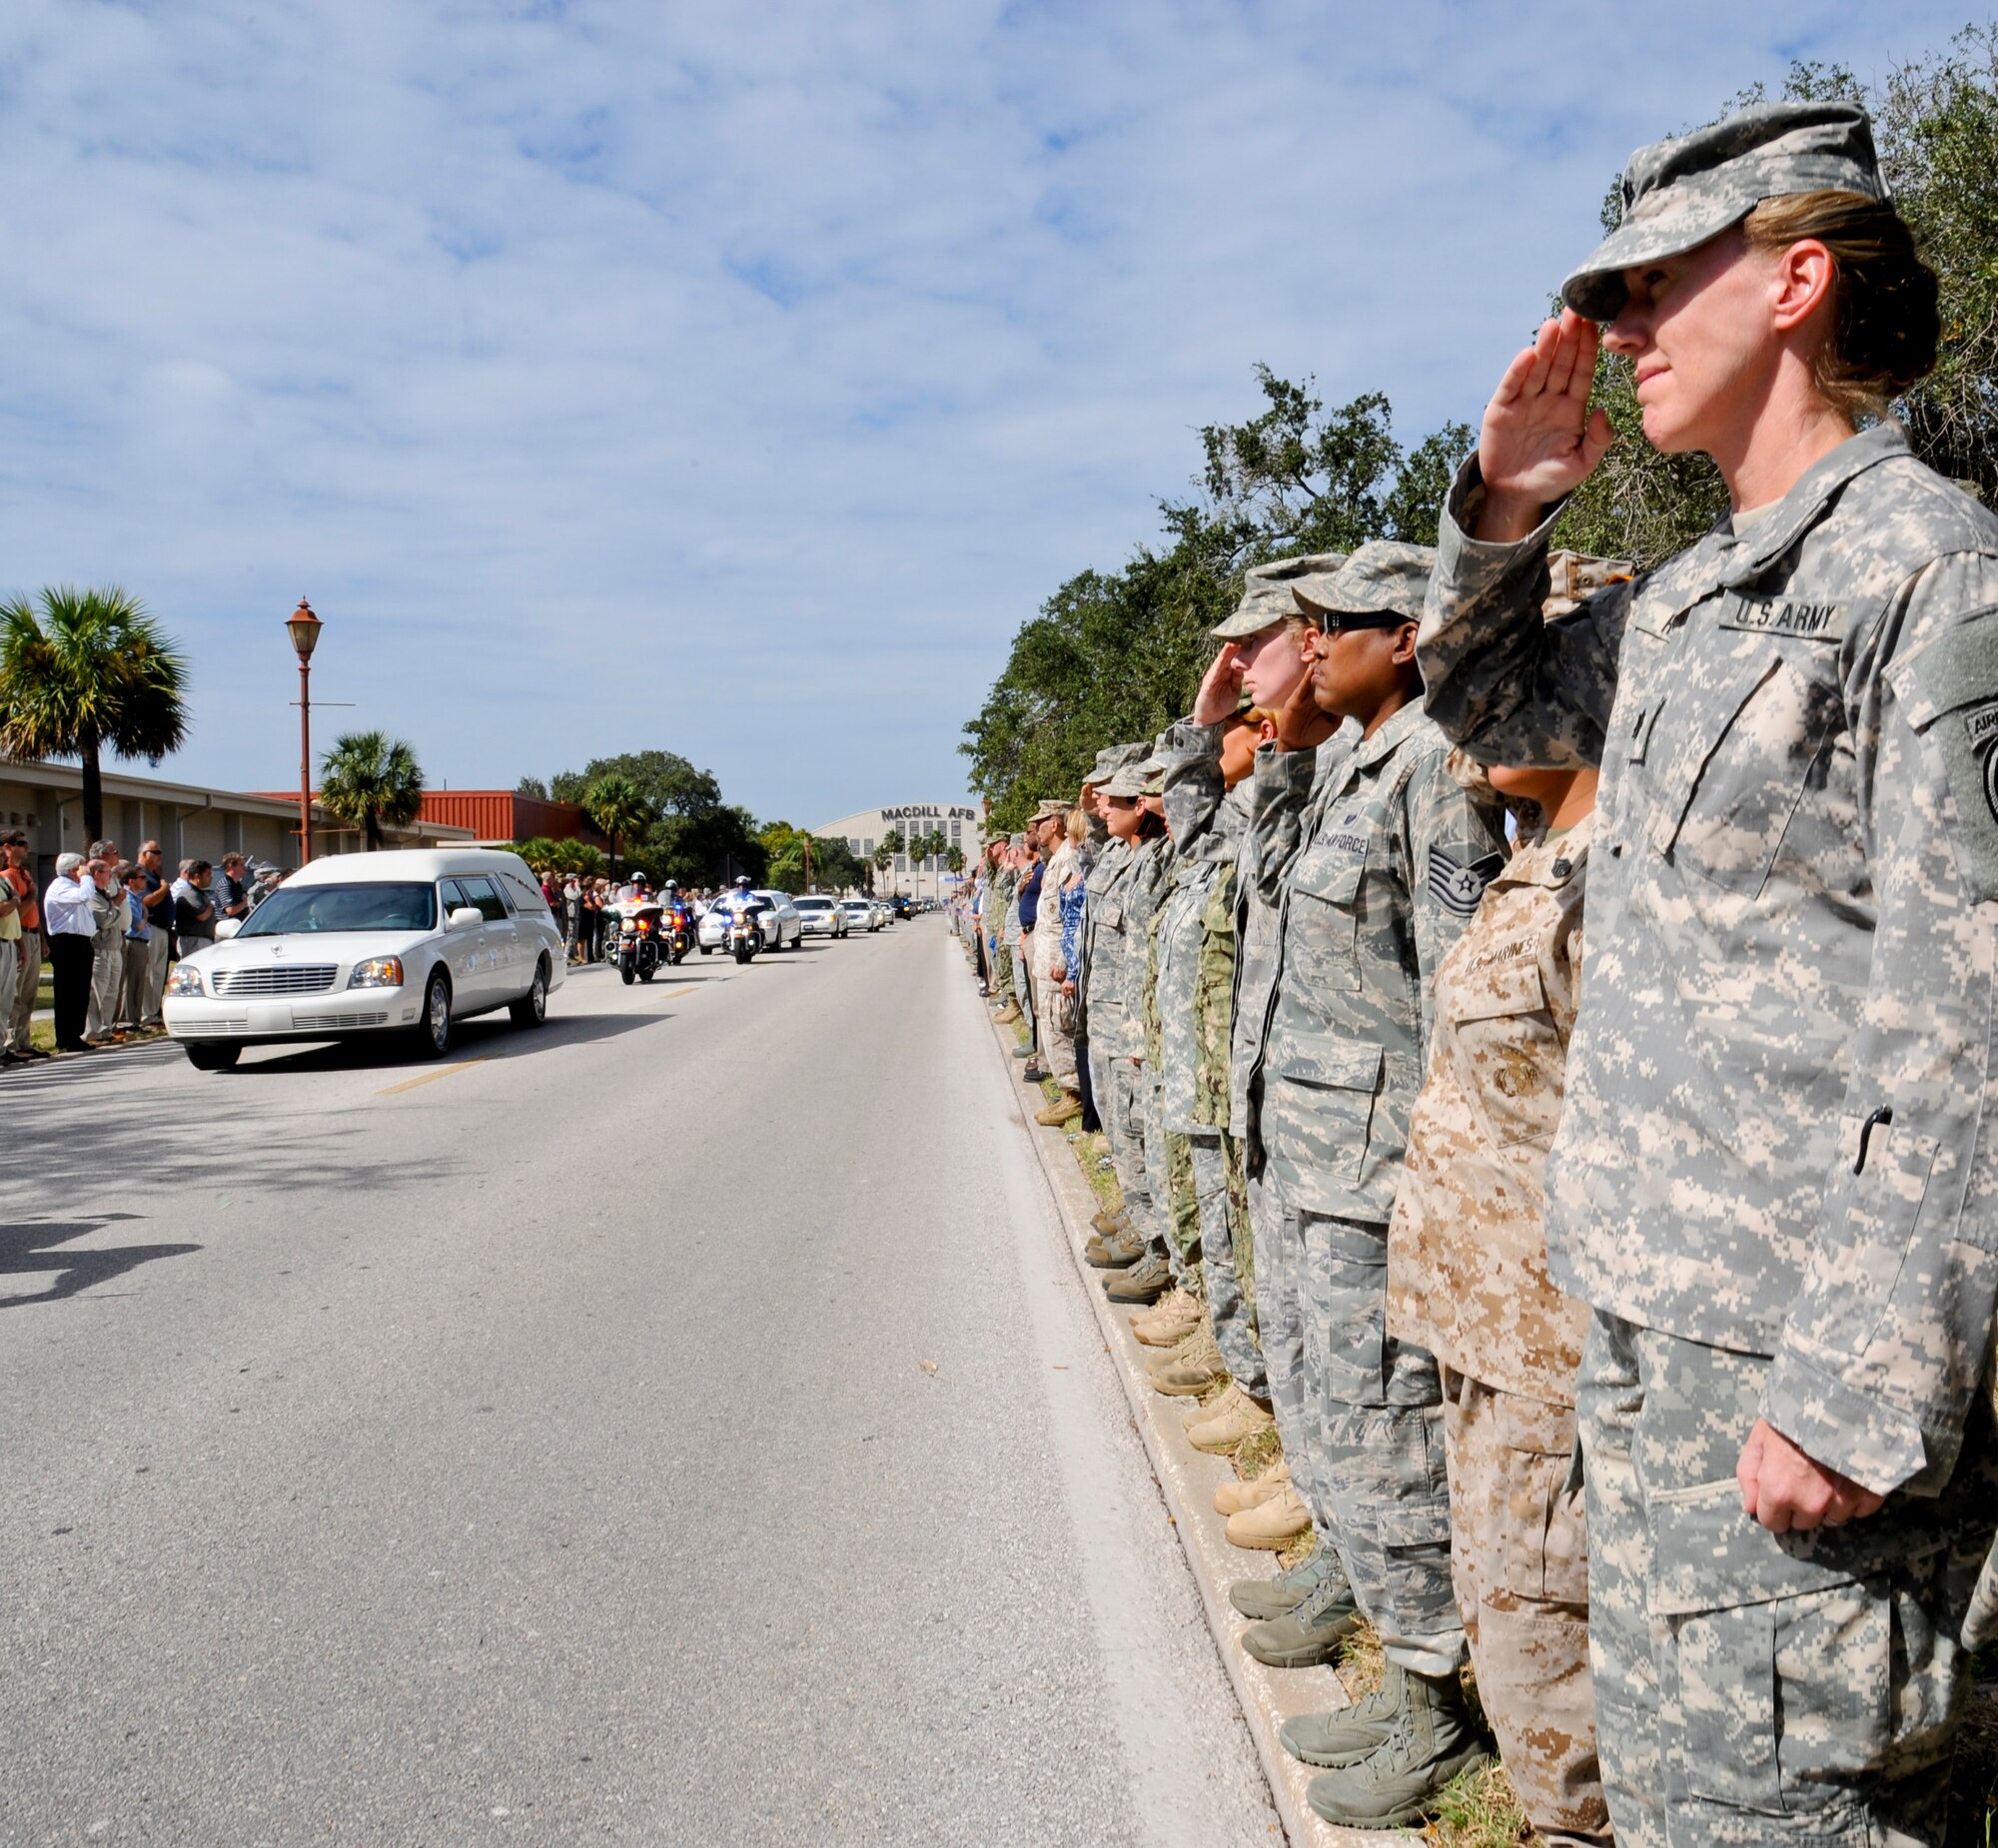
(1379, 857)
(1770, 1180)
(1468, 1280)
(1212, 821)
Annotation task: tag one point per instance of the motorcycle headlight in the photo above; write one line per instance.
(185, 981)
(377, 972)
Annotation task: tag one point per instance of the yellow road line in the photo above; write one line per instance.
(430, 1078)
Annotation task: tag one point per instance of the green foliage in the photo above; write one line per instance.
(562, 856)
(84, 672)
(1117, 655)
(532, 786)
(372, 783)
(617, 808)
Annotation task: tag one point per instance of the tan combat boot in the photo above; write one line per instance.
(1168, 1321)
(1105, 1222)
(1272, 1526)
(1006, 1015)
(1234, 1498)
(1064, 1111)
(1193, 1368)
(1230, 1425)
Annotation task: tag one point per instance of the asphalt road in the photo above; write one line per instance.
(681, 1425)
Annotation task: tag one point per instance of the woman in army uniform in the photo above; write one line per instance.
(1771, 1180)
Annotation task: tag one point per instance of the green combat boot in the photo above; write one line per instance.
(1146, 1280)
(1334, 1740)
(1395, 1785)
(1312, 1635)
(1274, 1597)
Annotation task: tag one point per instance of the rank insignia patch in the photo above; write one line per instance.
(1457, 887)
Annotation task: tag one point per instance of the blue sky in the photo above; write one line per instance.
(736, 379)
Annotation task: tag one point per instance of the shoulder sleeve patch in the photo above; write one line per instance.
(1458, 885)
(1949, 692)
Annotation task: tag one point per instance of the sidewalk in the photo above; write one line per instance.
(1187, 1479)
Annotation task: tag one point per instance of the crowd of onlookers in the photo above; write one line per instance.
(107, 928)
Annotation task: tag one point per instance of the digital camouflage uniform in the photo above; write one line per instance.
(1115, 1038)
(1171, 1048)
(1268, 597)
(1769, 1179)
(1468, 1280)
(1378, 857)
(1139, 895)
(1201, 813)
(1057, 1047)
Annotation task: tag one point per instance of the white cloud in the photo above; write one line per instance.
(734, 377)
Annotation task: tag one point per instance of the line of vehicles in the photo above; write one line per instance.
(410, 941)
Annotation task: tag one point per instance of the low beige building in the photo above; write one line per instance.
(864, 832)
(45, 801)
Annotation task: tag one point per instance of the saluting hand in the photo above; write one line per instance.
(1540, 439)
(1219, 687)
(1302, 725)
(1790, 1492)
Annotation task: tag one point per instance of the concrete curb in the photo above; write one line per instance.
(1187, 1479)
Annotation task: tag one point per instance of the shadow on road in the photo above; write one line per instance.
(26, 1250)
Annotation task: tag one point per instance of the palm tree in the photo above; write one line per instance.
(954, 859)
(82, 670)
(618, 807)
(371, 781)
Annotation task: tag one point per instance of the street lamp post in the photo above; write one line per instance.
(304, 629)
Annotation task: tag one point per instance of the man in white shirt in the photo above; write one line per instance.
(69, 917)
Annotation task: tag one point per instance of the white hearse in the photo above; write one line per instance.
(404, 943)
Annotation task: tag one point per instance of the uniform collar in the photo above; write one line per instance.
(1551, 863)
(1387, 740)
(1748, 555)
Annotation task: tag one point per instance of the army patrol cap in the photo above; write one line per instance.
(1112, 759)
(1132, 777)
(1382, 585)
(1265, 594)
(1679, 193)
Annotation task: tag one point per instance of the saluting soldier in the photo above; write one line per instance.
(1378, 856)
(1771, 1180)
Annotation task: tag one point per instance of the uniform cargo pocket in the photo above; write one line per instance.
(1322, 935)
(1780, 1666)
(1542, 1553)
(1730, 770)
(1319, 1112)
(1414, 1553)
(1507, 1053)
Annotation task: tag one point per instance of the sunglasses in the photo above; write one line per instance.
(1341, 621)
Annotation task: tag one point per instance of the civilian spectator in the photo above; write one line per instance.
(231, 895)
(194, 908)
(159, 903)
(138, 947)
(10, 964)
(69, 904)
(106, 950)
(28, 972)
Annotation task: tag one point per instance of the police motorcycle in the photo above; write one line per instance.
(641, 932)
(676, 927)
(745, 936)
